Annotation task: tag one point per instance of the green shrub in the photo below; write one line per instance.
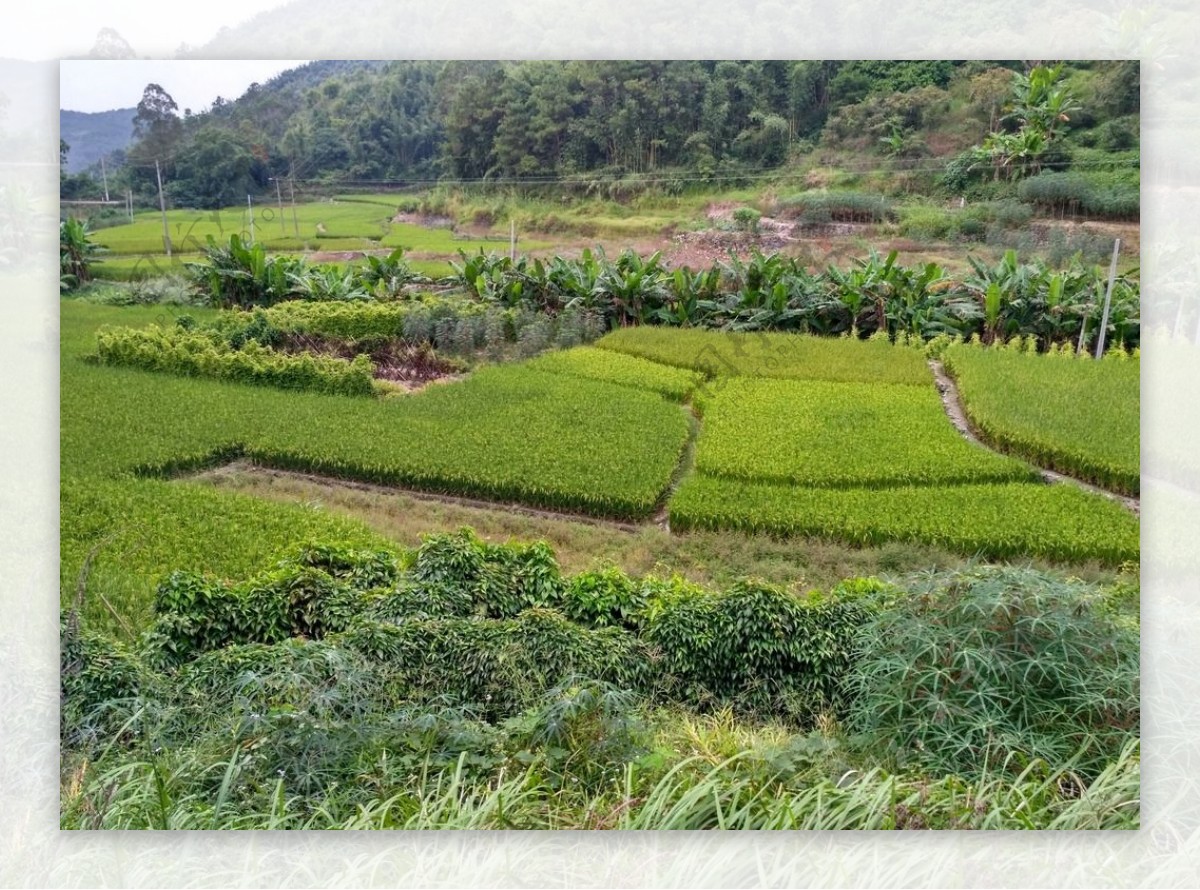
(100, 681)
(198, 614)
(605, 598)
(1095, 194)
(746, 219)
(928, 223)
(755, 647)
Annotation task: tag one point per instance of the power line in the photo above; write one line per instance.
(670, 178)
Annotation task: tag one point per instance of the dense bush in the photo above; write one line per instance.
(818, 208)
(541, 721)
(1092, 193)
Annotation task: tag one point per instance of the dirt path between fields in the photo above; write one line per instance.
(662, 515)
(952, 402)
(243, 468)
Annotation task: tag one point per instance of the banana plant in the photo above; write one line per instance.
(691, 296)
(328, 283)
(389, 275)
(76, 254)
(636, 287)
(241, 275)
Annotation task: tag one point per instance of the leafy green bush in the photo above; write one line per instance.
(746, 219)
(756, 647)
(100, 681)
(586, 731)
(928, 223)
(501, 581)
(987, 669)
(605, 598)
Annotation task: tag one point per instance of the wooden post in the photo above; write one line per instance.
(250, 213)
(512, 240)
(162, 205)
(1112, 274)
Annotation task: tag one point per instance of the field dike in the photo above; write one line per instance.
(956, 411)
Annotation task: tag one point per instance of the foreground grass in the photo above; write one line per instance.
(687, 793)
(470, 686)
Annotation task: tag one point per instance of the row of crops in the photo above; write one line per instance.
(1078, 417)
(764, 292)
(821, 445)
(802, 436)
(817, 434)
(514, 433)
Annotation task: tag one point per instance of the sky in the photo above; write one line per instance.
(42, 30)
(90, 85)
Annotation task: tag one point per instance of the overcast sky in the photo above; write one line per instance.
(89, 85)
(40, 30)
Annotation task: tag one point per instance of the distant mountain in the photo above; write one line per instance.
(92, 135)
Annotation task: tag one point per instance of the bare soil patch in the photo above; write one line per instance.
(395, 360)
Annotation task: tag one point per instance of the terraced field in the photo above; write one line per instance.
(1077, 416)
(509, 432)
(771, 355)
(835, 439)
(814, 433)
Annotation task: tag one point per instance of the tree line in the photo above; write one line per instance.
(539, 120)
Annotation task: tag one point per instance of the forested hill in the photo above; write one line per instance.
(537, 120)
(93, 135)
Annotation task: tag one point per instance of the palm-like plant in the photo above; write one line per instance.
(327, 283)
(76, 254)
(388, 275)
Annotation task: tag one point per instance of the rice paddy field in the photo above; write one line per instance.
(473, 660)
(342, 225)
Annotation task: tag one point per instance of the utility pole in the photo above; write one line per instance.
(250, 213)
(512, 240)
(104, 174)
(162, 205)
(129, 203)
(292, 189)
(1112, 274)
(279, 195)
